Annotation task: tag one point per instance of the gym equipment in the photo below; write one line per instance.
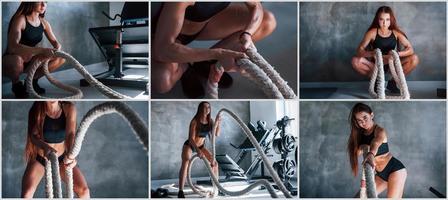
(284, 145)
(252, 186)
(377, 77)
(124, 46)
(77, 93)
(437, 193)
(262, 73)
(368, 186)
(138, 126)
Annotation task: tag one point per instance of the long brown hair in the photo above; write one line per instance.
(354, 139)
(199, 112)
(393, 21)
(36, 117)
(25, 8)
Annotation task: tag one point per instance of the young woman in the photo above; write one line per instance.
(200, 127)
(384, 34)
(25, 32)
(51, 128)
(390, 172)
(174, 25)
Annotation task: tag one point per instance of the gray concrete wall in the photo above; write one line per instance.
(70, 22)
(169, 130)
(416, 135)
(330, 32)
(112, 160)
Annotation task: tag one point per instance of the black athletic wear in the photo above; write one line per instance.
(54, 129)
(385, 44)
(367, 139)
(187, 142)
(202, 11)
(31, 35)
(204, 130)
(199, 12)
(392, 166)
(41, 159)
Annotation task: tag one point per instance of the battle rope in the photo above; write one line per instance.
(252, 186)
(368, 185)
(76, 93)
(377, 77)
(262, 73)
(52, 165)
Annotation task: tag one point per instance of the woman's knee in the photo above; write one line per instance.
(82, 191)
(28, 193)
(15, 65)
(163, 82)
(269, 22)
(415, 60)
(356, 61)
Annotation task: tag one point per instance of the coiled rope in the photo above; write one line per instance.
(262, 74)
(266, 161)
(396, 69)
(76, 93)
(138, 126)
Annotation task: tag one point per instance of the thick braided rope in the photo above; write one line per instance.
(262, 74)
(260, 78)
(137, 124)
(36, 64)
(252, 186)
(281, 84)
(377, 77)
(53, 177)
(48, 179)
(368, 185)
(396, 70)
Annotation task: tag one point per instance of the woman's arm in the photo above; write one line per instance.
(192, 135)
(50, 35)
(380, 136)
(35, 136)
(256, 16)
(361, 50)
(408, 50)
(218, 126)
(14, 36)
(70, 127)
(166, 49)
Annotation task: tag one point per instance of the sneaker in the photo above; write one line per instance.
(19, 90)
(180, 194)
(392, 86)
(191, 84)
(37, 88)
(203, 69)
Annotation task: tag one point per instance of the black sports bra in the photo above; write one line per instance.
(31, 35)
(203, 130)
(367, 139)
(54, 129)
(202, 11)
(385, 44)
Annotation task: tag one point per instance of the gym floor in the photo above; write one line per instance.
(72, 77)
(359, 90)
(171, 185)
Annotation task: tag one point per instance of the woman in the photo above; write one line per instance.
(25, 31)
(51, 129)
(174, 25)
(200, 127)
(384, 34)
(390, 172)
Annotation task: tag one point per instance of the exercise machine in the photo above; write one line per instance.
(124, 47)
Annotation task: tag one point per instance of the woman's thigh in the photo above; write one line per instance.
(396, 182)
(31, 178)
